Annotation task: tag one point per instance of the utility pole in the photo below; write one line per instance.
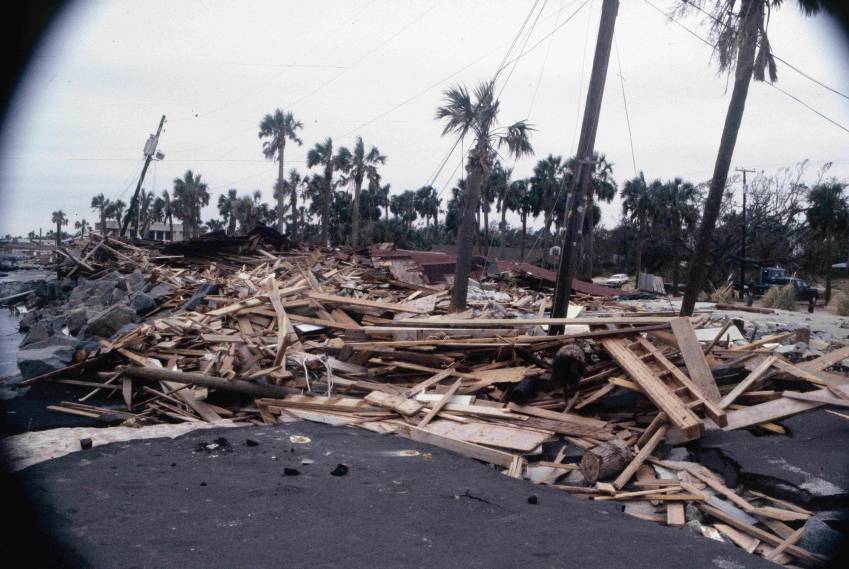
(743, 242)
(149, 153)
(580, 183)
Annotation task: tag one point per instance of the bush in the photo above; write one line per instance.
(783, 297)
(840, 303)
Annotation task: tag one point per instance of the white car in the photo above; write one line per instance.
(617, 280)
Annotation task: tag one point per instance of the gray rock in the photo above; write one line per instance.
(143, 303)
(135, 280)
(28, 320)
(160, 291)
(820, 538)
(111, 320)
(38, 332)
(76, 320)
(118, 296)
(692, 513)
(48, 355)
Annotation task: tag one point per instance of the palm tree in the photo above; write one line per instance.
(322, 155)
(228, 209)
(676, 208)
(525, 205)
(828, 216)
(81, 225)
(190, 195)
(381, 198)
(277, 128)
(100, 204)
(513, 200)
(478, 116)
(214, 225)
(403, 207)
(547, 184)
(168, 211)
(602, 187)
(116, 209)
(638, 205)
(292, 185)
(144, 215)
(741, 38)
(359, 165)
(502, 189)
(426, 204)
(59, 219)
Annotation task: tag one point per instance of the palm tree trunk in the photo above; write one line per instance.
(588, 238)
(503, 231)
(355, 214)
(465, 239)
(103, 221)
(828, 252)
(639, 253)
(293, 230)
(171, 226)
(58, 234)
(325, 207)
(524, 235)
(733, 119)
(281, 208)
(484, 248)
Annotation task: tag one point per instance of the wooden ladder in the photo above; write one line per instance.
(668, 387)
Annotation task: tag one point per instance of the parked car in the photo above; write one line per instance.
(617, 280)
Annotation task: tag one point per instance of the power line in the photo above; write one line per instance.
(700, 38)
(625, 104)
(773, 54)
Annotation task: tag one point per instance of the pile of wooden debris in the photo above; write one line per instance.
(348, 339)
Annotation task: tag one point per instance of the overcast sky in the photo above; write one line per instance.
(376, 68)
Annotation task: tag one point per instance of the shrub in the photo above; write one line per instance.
(840, 303)
(783, 297)
(723, 295)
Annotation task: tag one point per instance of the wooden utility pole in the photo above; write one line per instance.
(743, 240)
(580, 184)
(149, 153)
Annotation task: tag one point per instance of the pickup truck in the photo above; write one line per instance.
(776, 276)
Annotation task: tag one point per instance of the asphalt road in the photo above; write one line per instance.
(254, 498)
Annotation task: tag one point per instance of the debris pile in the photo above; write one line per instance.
(603, 411)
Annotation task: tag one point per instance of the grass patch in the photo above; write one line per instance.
(783, 297)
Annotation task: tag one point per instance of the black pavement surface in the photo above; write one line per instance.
(199, 501)
(810, 465)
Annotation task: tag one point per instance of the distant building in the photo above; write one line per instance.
(158, 231)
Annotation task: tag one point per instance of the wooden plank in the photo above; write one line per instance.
(479, 452)
(351, 301)
(825, 361)
(762, 535)
(511, 438)
(640, 458)
(472, 323)
(679, 414)
(402, 405)
(817, 397)
(694, 358)
(437, 407)
(675, 515)
(750, 380)
(769, 411)
(282, 322)
(432, 380)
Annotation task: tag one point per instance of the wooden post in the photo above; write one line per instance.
(605, 460)
(580, 183)
(135, 201)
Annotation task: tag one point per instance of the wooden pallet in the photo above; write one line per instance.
(665, 384)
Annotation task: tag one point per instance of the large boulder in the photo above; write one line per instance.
(111, 320)
(48, 355)
(38, 332)
(76, 319)
(142, 303)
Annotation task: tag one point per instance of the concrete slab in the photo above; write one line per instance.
(224, 498)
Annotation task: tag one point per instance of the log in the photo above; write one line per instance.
(234, 385)
(605, 460)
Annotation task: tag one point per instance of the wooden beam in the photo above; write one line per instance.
(694, 358)
(748, 382)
